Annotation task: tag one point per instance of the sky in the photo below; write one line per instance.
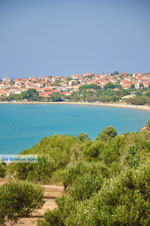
(65, 37)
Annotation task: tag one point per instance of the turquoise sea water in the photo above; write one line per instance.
(23, 125)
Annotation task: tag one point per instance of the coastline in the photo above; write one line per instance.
(118, 105)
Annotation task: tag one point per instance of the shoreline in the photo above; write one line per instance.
(118, 105)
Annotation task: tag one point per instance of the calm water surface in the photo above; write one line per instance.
(23, 125)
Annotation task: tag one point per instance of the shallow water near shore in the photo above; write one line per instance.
(22, 126)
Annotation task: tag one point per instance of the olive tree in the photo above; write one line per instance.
(19, 199)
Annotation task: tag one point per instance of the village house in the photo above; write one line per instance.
(14, 90)
(45, 78)
(4, 85)
(4, 93)
(56, 78)
(72, 82)
(6, 79)
(76, 77)
(88, 74)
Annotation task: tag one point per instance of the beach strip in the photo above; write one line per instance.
(118, 105)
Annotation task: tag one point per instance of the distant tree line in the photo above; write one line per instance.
(89, 93)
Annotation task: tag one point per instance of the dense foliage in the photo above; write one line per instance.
(19, 199)
(2, 170)
(106, 181)
(111, 93)
(108, 184)
(29, 95)
(53, 152)
(122, 200)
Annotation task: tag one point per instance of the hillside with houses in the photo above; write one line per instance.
(49, 86)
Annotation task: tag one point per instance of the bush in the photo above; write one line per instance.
(2, 170)
(73, 172)
(19, 199)
(107, 134)
(52, 218)
(85, 186)
(122, 200)
(37, 172)
(53, 152)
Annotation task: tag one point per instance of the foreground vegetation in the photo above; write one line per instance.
(106, 181)
(19, 199)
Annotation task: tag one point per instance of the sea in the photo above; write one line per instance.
(23, 125)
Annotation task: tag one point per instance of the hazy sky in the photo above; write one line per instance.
(64, 37)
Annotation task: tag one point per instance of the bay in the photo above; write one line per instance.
(23, 125)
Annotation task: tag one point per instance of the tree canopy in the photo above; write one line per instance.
(109, 86)
(91, 86)
(106, 181)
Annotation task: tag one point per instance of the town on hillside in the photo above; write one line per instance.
(47, 86)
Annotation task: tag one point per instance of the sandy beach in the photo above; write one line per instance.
(118, 105)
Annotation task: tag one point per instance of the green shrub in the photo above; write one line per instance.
(19, 199)
(85, 186)
(37, 172)
(73, 171)
(107, 134)
(2, 170)
(53, 152)
(52, 218)
(122, 200)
